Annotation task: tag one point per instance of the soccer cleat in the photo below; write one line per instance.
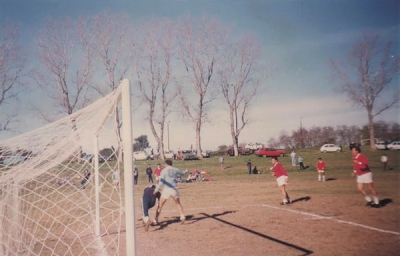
(375, 205)
(284, 203)
(183, 218)
(147, 225)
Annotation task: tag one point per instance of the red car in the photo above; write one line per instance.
(270, 152)
(241, 151)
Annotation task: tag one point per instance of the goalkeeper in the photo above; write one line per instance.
(148, 201)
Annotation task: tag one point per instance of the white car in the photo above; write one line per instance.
(380, 145)
(393, 145)
(254, 146)
(329, 148)
(141, 155)
(169, 154)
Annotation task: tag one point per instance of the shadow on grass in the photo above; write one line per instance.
(385, 202)
(303, 250)
(329, 179)
(305, 198)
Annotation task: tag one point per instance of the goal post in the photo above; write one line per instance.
(60, 189)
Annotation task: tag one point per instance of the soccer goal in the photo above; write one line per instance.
(61, 185)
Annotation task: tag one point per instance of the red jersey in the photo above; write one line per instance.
(321, 165)
(361, 167)
(279, 170)
(157, 172)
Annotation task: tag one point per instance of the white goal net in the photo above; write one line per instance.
(60, 185)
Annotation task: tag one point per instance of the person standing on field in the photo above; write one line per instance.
(301, 165)
(321, 169)
(249, 166)
(384, 160)
(157, 173)
(135, 175)
(293, 156)
(221, 162)
(168, 183)
(281, 178)
(364, 176)
(149, 173)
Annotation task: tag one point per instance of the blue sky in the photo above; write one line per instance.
(300, 37)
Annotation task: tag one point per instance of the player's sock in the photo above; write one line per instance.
(323, 178)
(146, 219)
(368, 199)
(376, 200)
(319, 177)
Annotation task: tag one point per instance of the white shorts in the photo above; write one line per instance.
(157, 178)
(365, 178)
(282, 180)
(168, 192)
(321, 171)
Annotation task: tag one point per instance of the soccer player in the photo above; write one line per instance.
(364, 176)
(168, 183)
(148, 201)
(157, 173)
(321, 169)
(281, 178)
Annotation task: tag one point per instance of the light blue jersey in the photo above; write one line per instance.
(168, 177)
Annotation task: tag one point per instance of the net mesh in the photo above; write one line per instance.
(47, 185)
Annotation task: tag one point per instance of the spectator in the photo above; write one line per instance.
(86, 176)
(149, 173)
(135, 175)
(300, 160)
(115, 178)
(249, 166)
(191, 177)
(221, 162)
(255, 171)
(384, 160)
(293, 156)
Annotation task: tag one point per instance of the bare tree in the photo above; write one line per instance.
(112, 46)
(200, 43)
(12, 72)
(240, 75)
(154, 74)
(67, 59)
(67, 64)
(373, 68)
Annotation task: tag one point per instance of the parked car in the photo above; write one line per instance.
(254, 146)
(141, 155)
(381, 145)
(270, 152)
(241, 151)
(206, 154)
(88, 157)
(394, 145)
(329, 148)
(169, 154)
(189, 155)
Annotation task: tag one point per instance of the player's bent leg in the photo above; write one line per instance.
(180, 208)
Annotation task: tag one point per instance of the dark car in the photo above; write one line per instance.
(241, 151)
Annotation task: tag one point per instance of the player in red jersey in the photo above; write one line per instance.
(157, 173)
(321, 169)
(281, 178)
(364, 176)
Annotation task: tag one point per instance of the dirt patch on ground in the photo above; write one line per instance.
(231, 217)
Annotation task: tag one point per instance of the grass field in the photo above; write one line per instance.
(239, 214)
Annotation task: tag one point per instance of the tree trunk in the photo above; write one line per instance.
(371, 129)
